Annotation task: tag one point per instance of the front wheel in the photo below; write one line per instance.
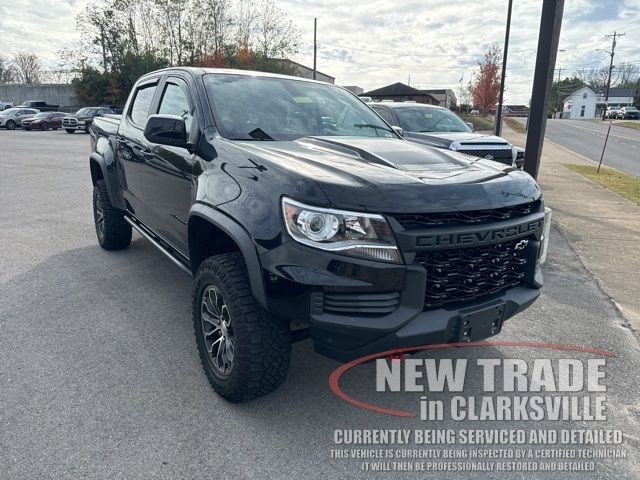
(113, 232)
(69, 130)
(11, 125)
(244, 349)
(45, 126)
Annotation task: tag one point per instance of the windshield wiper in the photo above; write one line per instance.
(259, 134)
(370, 125)
(426, 131)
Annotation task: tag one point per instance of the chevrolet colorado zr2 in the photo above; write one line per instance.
(299, 212)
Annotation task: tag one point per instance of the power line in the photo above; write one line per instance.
(405, 54)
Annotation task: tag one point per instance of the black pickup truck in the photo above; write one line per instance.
(300, 213)
(40, 105)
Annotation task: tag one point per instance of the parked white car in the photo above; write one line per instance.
(12, 117)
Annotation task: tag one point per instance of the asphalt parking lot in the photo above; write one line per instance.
(99, 375)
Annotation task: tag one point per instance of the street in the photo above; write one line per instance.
(587, 138)
(100, 378)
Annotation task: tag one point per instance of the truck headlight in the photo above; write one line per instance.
(362, 235)
(544, 244)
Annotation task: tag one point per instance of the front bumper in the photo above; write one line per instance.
(352, 338)
(353, 307)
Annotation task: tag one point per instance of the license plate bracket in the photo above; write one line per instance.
(480, 324)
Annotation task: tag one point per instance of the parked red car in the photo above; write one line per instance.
(44, 121)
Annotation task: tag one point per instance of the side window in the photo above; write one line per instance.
(142, 104)
(174, 102)
(384, 113)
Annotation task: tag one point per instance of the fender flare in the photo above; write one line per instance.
(110, 177)
(240, 236)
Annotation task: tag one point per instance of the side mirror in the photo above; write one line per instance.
(470, 125)
(166, 130)
(398, 130)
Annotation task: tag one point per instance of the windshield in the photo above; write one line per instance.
(9, 111)
(428, 119)
(87, 111)
(41, 115)
(264, 108)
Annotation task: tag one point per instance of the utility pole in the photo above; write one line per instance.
(409, 80)
(315, 45)
(550, 23)
(504, 71)
(611, 53)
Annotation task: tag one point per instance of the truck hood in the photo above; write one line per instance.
(445, 139)
(80, 117)
(391, 175)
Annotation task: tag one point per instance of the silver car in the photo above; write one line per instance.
(12, 117)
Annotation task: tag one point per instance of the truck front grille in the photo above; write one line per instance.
(410, 221)
(459, 275)
(504, 155)
(361, 303)
(70, 122)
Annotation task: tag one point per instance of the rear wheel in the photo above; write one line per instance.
(69, 130)
(244, 349)
(113, 232)
(11, 125)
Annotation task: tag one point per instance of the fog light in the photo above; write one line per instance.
(544, 244)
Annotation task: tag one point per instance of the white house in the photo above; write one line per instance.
(580, 104)
(585, 103)
(618, 97)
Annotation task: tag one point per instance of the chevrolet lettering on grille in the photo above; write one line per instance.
(481, 237)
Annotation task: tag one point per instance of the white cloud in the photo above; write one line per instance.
(375, 43)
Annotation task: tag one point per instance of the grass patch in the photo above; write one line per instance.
(629, 124)
(515, 125)
(623, 184)
(479, 122)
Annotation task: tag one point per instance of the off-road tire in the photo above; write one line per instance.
(11, 125)
(262, 341)
(69, 130)
(116, 232)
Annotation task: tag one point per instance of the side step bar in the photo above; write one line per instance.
(149, 236)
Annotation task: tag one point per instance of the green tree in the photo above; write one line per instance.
(91, 86)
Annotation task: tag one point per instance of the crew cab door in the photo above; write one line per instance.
(167, 172)
(132, 146)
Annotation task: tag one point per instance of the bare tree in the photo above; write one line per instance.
(595, 78)
(276, 35)
(27, 67)
(6, 70)
(628, 75)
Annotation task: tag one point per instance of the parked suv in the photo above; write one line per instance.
(300, 213)
(441, 128)
(12, 117)
(83, 118)
(629, 113)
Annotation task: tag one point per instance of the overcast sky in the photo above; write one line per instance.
(378, 42)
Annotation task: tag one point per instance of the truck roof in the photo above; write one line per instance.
(197, 71)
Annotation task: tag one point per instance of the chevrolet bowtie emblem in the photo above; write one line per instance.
(522, 244)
